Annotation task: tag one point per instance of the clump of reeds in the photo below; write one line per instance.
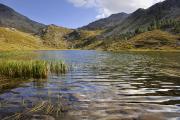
(57, 67)
(30, 69)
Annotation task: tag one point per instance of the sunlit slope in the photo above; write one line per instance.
(54, 36)
(83, 39)
(156, 38)
(11, 39)
(152, 40)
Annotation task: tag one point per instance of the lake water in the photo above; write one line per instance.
(100, 86)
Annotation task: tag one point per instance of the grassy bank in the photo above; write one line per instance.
(30, 69)
(16, 64)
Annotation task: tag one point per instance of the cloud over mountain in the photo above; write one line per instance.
(108, 7)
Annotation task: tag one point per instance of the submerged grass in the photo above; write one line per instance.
(30, 69)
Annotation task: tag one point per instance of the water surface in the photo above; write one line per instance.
(102, 86)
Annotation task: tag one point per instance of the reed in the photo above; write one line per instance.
(30, 69)
(57, 67)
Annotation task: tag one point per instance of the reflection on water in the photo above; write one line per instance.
(103, 86)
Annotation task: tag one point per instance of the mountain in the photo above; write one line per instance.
(12, 19)
(49, 35)
(105, 23)
(157, 27)
(169, 9)
(163, 16)
(122, 22)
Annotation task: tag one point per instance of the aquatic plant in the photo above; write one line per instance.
(30, 69)
(57, 67)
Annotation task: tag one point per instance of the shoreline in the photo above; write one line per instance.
(127, 50)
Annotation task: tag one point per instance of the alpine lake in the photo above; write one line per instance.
(98, 86)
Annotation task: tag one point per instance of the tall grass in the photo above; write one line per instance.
(57, 67)
(30, 69)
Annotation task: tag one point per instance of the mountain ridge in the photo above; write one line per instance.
(10, 18)
(116, 29)
(104, 23)
(164, 16)
(168, 9)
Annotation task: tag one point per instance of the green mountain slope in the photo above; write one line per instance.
(163, 16)
(142, 18)
(151, 40)
(122, 23)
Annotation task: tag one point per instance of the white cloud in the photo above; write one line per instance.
(108, 7)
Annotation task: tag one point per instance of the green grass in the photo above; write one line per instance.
(30, 69)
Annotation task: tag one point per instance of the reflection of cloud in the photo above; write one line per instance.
(108, 7)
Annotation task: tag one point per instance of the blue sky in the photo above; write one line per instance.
(74, 13)
(59, 12)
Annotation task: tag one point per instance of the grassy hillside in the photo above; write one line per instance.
(82, 39)
(54, 36)
(11, 39)
(152, 40)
